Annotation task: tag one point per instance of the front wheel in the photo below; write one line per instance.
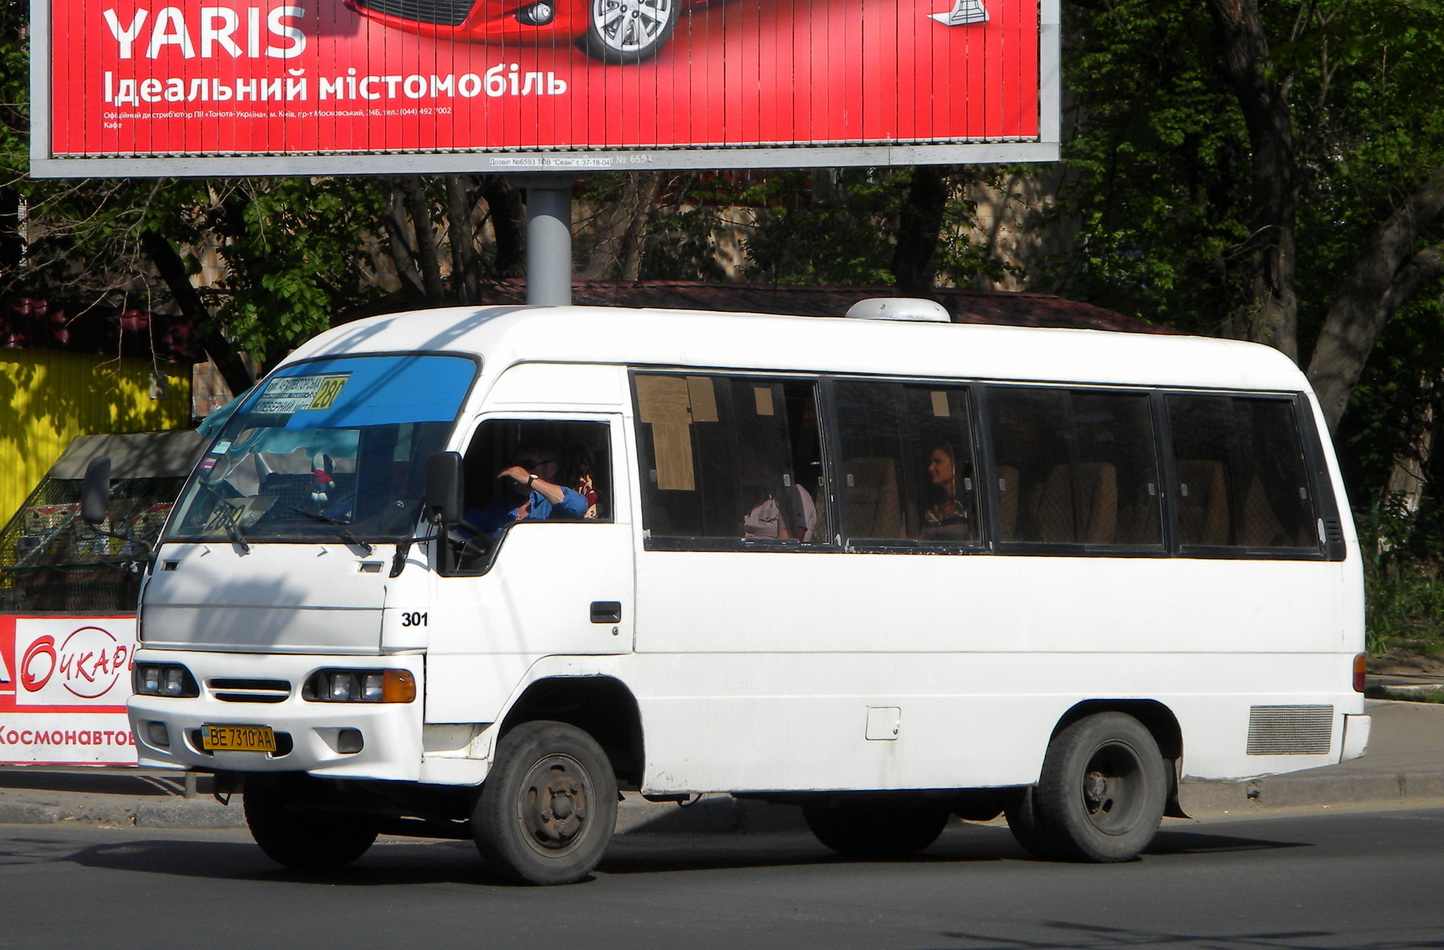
(292, 834)
(548, 808)
(628, 31)
(876, 829)
(1101, 795)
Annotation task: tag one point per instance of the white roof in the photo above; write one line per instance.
(502, 336)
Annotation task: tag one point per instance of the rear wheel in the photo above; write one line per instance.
(1101, 795)
(548, 808)
(875, 829)
(298, 836)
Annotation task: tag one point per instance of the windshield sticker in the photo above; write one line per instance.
(285, 395)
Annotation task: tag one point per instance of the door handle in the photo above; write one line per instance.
(606, 611)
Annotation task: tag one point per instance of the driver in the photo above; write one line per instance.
(533, 476)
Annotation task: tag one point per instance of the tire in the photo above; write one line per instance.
(1027, 827)
(549, 806)
(303, 839)
(1101, 795)
(628, 31)
(876, 829)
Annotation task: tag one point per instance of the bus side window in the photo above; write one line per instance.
(719, 456)
(870, 422)
(1075, 467)
(1241, 480)
(908, 473)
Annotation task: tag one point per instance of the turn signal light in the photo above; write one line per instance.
(398, 686)
(1361, 663)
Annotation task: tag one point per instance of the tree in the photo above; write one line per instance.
(1268, 171)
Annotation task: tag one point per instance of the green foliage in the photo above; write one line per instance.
(14, 85)
(1157, 163)
(1403, 578)
(294, 255)
(829, 226)
(832, 226)
(1159, 179)
(1159, 152)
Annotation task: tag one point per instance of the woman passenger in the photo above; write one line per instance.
(949, 518)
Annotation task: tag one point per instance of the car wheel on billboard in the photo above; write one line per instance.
(628, 31)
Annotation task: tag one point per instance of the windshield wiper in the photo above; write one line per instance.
(346, 534)
(230, 519)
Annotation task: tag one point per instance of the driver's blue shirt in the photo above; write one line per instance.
(500, 513)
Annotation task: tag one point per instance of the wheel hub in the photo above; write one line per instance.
(554, 804)
(1095, 789)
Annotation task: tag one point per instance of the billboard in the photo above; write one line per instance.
(63, 686)
(219, 87)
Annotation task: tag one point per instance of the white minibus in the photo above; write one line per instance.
(473, 572)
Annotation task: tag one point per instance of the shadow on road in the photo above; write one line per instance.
(394, 862)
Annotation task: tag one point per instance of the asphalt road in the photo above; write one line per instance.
(1369, 880)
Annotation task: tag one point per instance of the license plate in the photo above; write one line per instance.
(238, 739)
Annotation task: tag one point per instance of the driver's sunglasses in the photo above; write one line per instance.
(533, 463)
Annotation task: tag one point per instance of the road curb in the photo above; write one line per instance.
(27, 813)
(1284, 791)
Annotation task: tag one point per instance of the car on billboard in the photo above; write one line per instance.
(612, 31)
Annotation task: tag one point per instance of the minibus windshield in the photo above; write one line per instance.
(326, 450)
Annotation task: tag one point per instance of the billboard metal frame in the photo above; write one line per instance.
(1045, 147)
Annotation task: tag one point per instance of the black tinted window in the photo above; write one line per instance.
(1074, 467)
(907, 471)
(1239, 471)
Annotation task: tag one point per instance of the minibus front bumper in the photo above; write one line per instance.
(259, 713)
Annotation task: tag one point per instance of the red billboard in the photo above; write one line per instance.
(246, 79)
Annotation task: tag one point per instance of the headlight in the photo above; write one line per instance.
(163, 679)
(360, 686)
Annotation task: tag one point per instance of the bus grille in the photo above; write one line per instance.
(1290, 730)
(443, 12)
(250, 690)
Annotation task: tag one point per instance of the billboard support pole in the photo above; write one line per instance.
(548, 240)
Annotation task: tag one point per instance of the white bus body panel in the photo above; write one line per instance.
(279, 598)
(981, 655)
(488, 631)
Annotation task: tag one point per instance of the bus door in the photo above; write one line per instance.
(531, 577)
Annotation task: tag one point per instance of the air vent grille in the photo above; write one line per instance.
(1290, 730)
(249, 690)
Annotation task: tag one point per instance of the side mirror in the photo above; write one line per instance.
(443, 488)
(95, 491)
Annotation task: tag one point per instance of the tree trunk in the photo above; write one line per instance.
(619, 230)
(465, 262)
(399, 232)
(1388, 272)
(634, 241)
(1270, 311)
(428, 256)
(919, 225)
(508, 223)
(173, 271)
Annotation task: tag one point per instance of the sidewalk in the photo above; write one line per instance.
(1405, 764)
